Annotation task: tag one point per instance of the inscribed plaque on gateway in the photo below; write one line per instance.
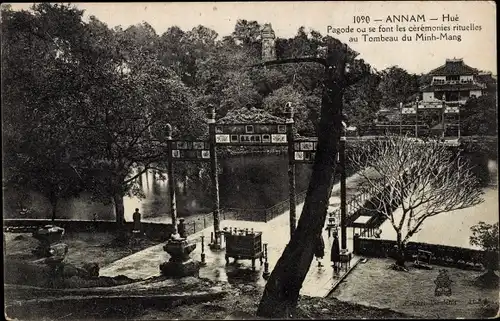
(278, 138)
(307, 146)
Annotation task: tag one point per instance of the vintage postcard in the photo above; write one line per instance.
(250, 160)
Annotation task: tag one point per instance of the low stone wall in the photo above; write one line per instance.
(442, 254)
(153, 231)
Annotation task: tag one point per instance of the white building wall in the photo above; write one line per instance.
(476, 93)
(428, 96)
(439, 79)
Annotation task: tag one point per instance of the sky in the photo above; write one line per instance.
(477, 48)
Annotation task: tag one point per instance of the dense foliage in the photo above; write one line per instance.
(479, 116)
(85, 106)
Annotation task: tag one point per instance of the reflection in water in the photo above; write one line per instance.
(244, 182)
(258, 182)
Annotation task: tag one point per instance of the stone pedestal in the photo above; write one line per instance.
(180, 264)
(345, 258)
(217, 246)
(180, 269)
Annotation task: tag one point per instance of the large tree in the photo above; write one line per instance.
(40, 89)
(478, 116)
(247, 34)
(283, 286)
(130, 102)
(396, 86)
(362, 102)
(86, 100)
(275, 104)
(422, 179)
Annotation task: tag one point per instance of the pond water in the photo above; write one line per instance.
(244, 182)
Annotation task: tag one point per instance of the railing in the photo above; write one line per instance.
(381, 130)
(244, 214)
(283, 206)
(198, 222)
(354, 203)
(357, 203)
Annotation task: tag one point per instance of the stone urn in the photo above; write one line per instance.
(179, 249)
(47, 236)
(179, 264)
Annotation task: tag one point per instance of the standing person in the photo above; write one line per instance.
(319, 251)
(335, 253)
(137, 220)
(181, 228)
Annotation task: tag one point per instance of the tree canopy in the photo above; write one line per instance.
(85, 105)
(478, 116)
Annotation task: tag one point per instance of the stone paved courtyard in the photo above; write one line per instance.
(319, 281)
(374, 284)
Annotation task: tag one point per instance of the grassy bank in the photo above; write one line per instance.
(83, 247)
(238, 302)
(375, 284)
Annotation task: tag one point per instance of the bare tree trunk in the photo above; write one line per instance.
(400, 255)
(119, 208)
(282, 289)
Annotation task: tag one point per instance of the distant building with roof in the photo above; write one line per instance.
(436, 107)
(454, 82)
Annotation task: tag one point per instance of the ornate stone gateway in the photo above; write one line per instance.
(267, 130)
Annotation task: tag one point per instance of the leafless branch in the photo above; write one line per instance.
(425, 179)
(128, 180)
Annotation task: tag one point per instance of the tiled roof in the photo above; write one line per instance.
(486, 78)
(453, 67)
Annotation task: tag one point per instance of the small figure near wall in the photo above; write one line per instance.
(136, 230)
(137, 220)
(319, 251)
(94, 221)
(335, 253)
